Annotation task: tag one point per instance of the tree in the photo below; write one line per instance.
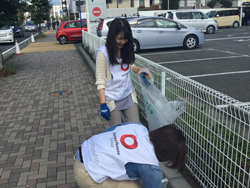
(211, 3)
(226, 3)
(39, 11)
(173, 4)
(11, 11)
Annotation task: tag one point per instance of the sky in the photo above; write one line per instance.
(55, 2)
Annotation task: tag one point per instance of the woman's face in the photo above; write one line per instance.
(120, 40)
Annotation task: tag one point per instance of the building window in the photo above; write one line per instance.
(109, 1)
(141, 2)
(121, 1)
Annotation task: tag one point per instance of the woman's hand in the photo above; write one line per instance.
(105, 112)
(144, 70)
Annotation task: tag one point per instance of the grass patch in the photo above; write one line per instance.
(41, 36)
(9, 65)
(8, 69)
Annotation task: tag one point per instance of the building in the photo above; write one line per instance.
(146, 4)
(56, 11)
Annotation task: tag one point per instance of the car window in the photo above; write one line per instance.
(5, 27)
(70, 25)
(197, 15)
(232, 12)
(204, 16)
(30, 23)
(78, 25)
(145, 23)
(162, 23)
(170, 15)
(133, 23)
(84, 24)
(223, 13)
(184, 15)
(109, 23)
(211, 14)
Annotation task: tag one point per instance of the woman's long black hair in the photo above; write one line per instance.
(170, 146)
(120, 25)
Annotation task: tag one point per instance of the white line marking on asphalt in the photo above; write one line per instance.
(175, 52)
(228, 52)
(241, 40)
(226, 38)
(237, 34)
(218, 74)
(205, 59)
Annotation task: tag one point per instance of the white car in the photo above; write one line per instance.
(194, 18)
(6, 34)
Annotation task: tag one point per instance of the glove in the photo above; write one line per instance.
(105, 112)
(144, 79)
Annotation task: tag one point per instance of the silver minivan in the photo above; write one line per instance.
(196, 19)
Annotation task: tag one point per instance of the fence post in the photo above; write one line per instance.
(163, 77)
(1, 60)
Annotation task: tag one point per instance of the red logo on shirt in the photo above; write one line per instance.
(125, 68)
(133, 146)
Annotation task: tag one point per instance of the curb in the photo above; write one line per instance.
(175, 179)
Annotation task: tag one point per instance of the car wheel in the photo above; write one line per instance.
(136, 46)
(190, 42)
(210, 29)
(63, 40)
(235, 24)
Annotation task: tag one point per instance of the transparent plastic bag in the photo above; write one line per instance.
(159, 110)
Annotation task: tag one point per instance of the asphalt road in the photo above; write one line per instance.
(6, 46)
(222, 63)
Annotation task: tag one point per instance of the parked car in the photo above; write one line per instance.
(226, 17)
(30, 26)
(194, 18)
(159, 32)
(70, 31)
(6, 34)
(43, 24)
(103, 26)
(18, 31)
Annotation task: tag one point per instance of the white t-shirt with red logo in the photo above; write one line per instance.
(121, 85)
(106, 154)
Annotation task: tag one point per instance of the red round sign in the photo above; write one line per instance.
(96, 11)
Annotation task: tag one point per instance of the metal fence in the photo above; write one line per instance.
(215, 125)
(8, 53)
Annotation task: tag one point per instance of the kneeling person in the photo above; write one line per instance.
(126, 152)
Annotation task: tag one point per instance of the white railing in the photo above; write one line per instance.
(12, 51)
(215, 125)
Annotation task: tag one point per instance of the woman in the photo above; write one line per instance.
(128, 152)
(113, 65)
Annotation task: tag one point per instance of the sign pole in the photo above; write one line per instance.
(87, 16)
(80, 17)
(240, 14)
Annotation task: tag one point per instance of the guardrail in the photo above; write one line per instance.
(8, 53)
(215, 125)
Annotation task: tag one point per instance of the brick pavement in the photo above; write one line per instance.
(40, 133)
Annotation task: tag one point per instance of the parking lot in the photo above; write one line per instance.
(222, 63)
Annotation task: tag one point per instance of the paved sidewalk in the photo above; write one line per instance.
(39, 133)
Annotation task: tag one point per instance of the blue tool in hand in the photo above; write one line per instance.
(144, 79)
(105, 112)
